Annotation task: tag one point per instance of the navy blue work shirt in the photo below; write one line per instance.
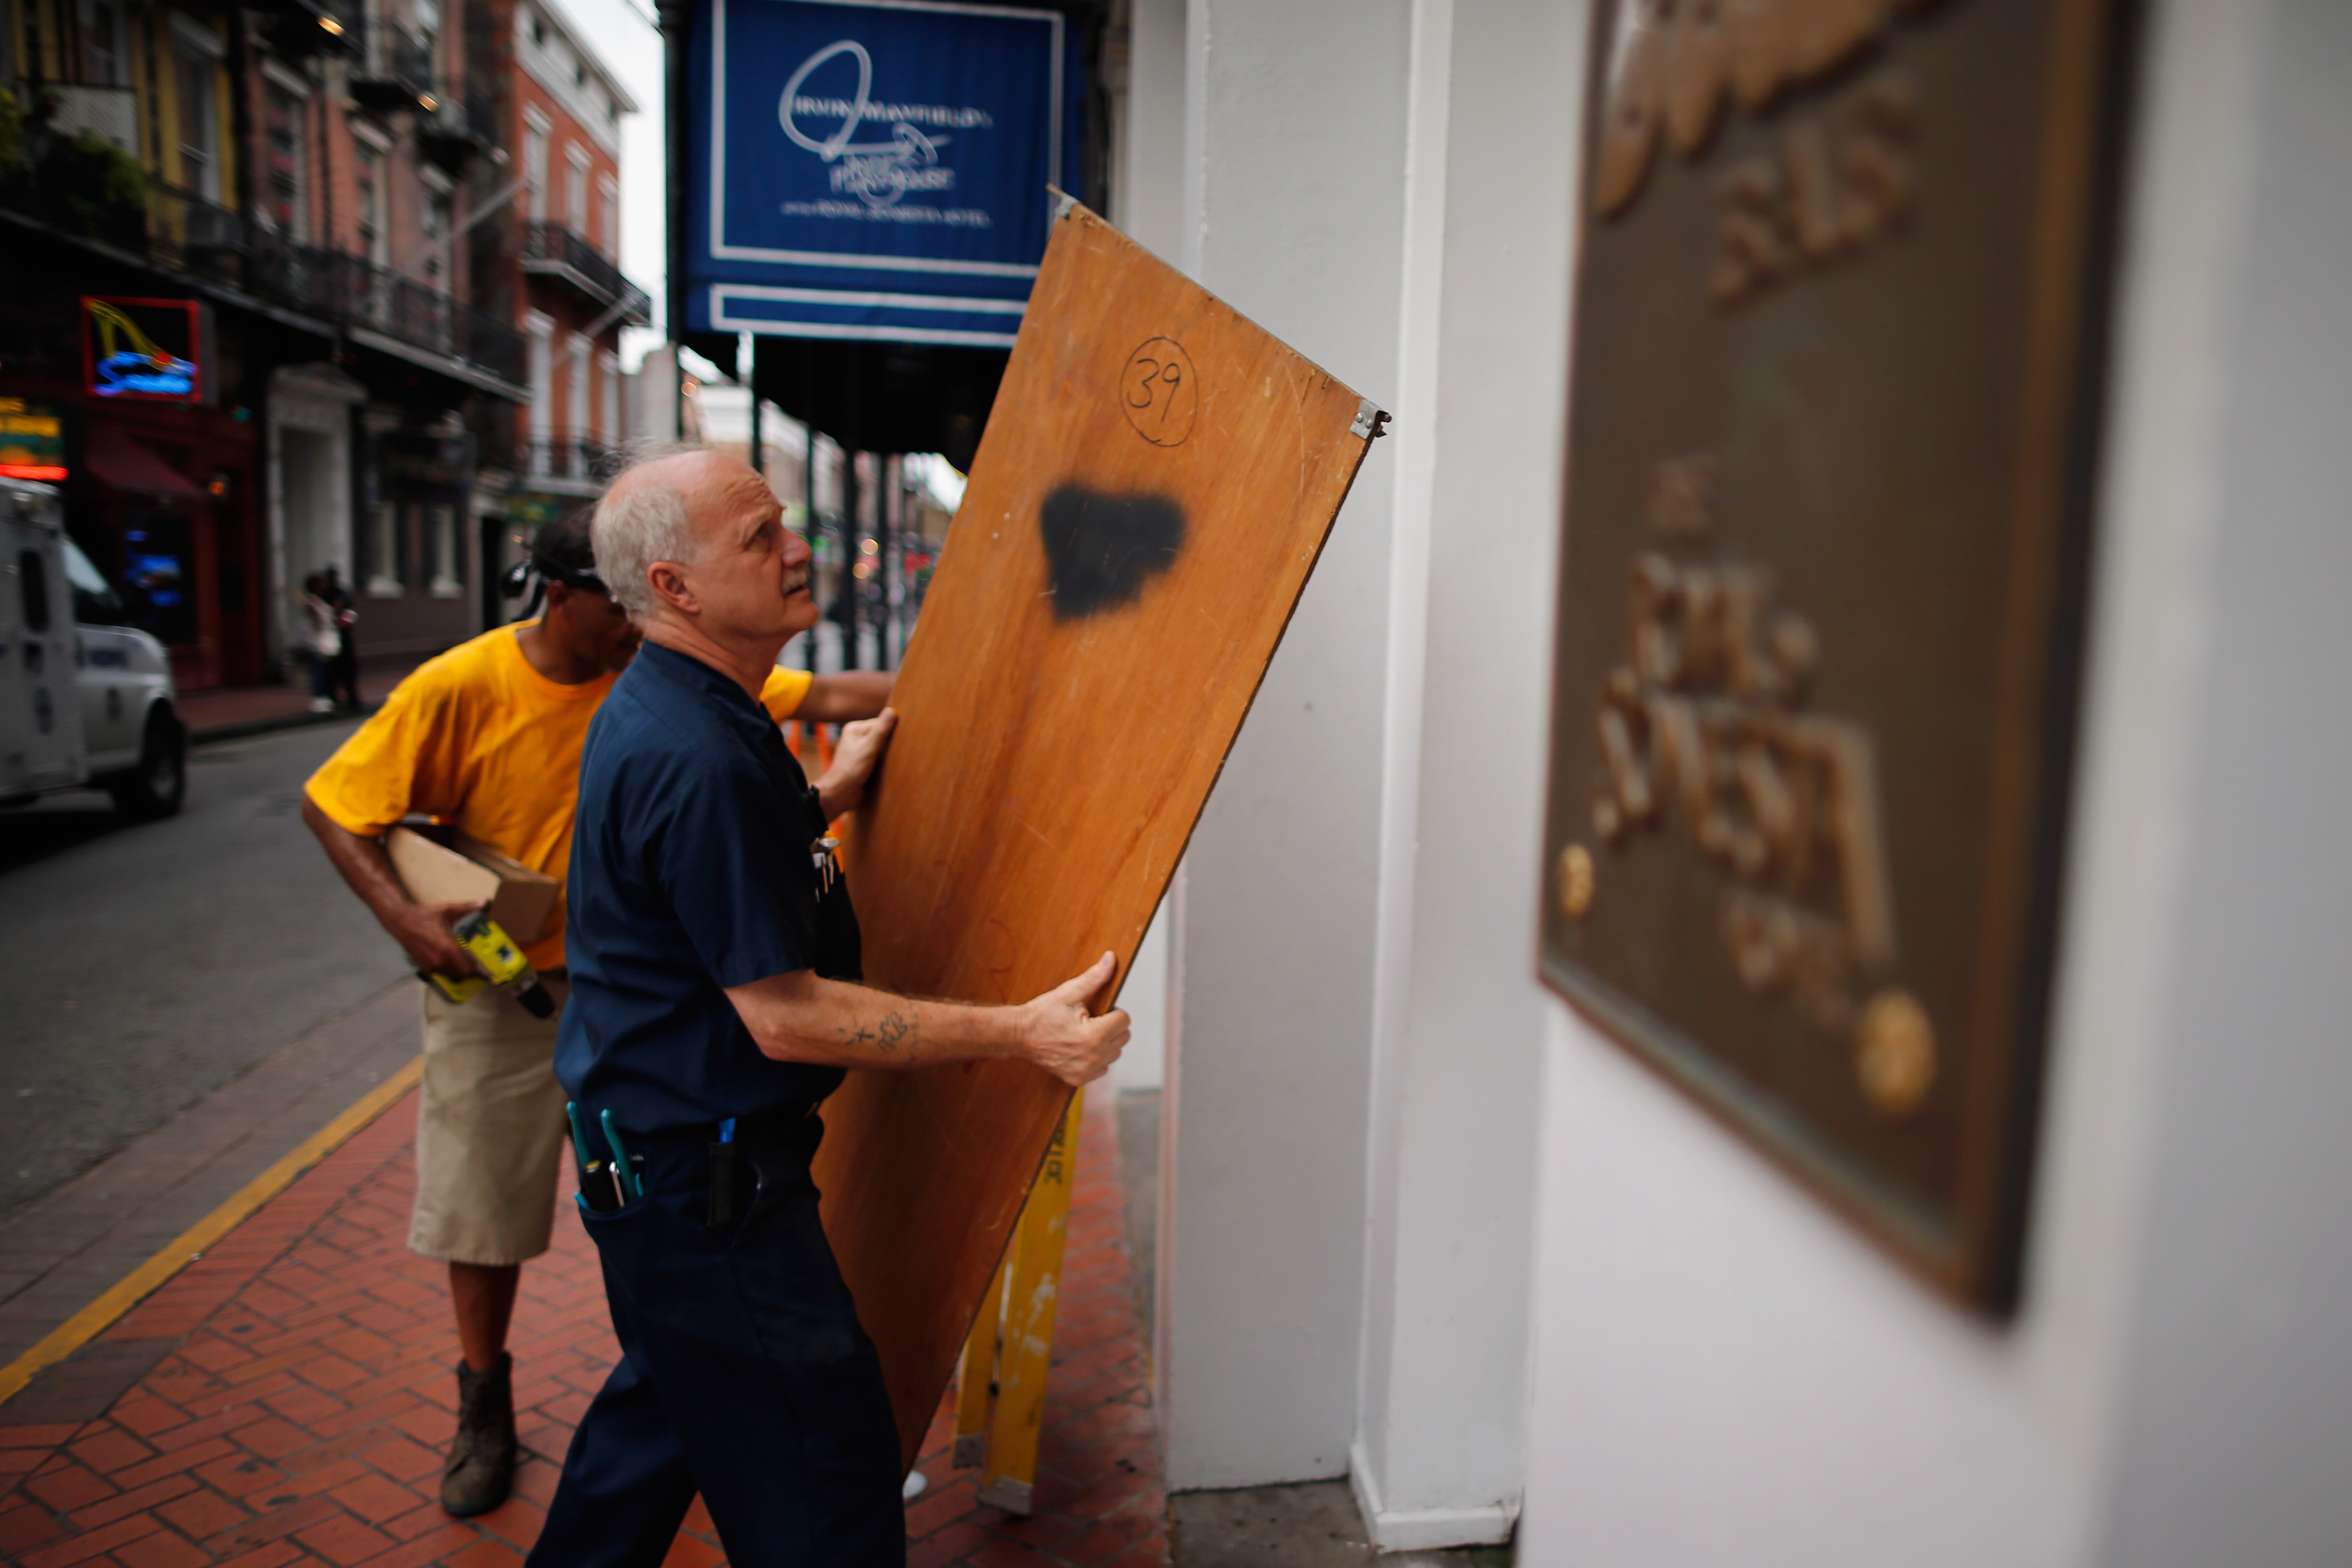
(692, 870)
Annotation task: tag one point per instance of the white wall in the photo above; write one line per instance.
(1422, 1223)
(1724, 1374)
(1294, 155)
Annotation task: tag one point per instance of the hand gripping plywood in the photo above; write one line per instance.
(1157, 479)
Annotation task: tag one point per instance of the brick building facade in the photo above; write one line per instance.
(555, 255)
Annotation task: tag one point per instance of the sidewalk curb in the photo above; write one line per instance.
(246, 728)
(152, 1275)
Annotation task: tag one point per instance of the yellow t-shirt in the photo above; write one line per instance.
(479, 739)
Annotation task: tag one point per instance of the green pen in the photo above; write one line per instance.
(593, 1173)
(579, 1132)
(625, 1176)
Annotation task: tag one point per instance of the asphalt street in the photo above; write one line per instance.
(143, 966)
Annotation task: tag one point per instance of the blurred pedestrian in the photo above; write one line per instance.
(343, 667)
(323, 642)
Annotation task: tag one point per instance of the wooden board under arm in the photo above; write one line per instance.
(1156, 481)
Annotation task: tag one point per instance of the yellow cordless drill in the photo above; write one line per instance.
(501, 962)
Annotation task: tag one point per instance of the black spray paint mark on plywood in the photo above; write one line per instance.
(1100, 550)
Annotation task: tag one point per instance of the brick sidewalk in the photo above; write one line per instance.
(300, 1390)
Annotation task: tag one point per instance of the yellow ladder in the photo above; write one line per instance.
(1012, 1341)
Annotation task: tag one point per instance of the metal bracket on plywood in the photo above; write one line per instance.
(1372, 421)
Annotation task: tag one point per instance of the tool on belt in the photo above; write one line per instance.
(605, 1184)
(502, 963)
(732, 1180)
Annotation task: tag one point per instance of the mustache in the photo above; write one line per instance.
(796, 580)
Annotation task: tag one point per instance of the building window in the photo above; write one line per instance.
(199, 125)
(374, 232)
(534, 164)
(441, 519)
(608, 405)
(576, 195)
(610, 190)
(105, 59)
(576, 414)
(438, 224)
(284, 122)
(384, 552)
(542, 388)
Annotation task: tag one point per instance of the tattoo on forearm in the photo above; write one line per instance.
(895, 1028)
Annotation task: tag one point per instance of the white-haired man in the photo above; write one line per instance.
(715, 1003)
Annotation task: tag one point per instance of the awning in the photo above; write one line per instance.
(120, 463)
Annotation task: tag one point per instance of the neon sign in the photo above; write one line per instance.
(149, 350)
(32, 441)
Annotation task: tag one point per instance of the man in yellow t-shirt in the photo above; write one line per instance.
(486, 737)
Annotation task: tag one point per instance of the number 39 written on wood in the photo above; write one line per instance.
(1158, 391)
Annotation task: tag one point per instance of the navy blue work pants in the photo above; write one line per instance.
(743, 1375)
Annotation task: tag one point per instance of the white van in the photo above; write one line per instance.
(84, 699)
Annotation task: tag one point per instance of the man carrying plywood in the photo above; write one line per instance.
(486, 737)
(716, 1003)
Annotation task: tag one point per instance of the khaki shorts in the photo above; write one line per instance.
(489, 1130)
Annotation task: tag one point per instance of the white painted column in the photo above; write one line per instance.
(1148, 193)
(1147, 203)
(1490, 177)
(1143, 1065)
(1295, 152)
(2233, 1431)
(309, 509)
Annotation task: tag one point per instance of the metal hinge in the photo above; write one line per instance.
(1063, 202)
(1371, 420)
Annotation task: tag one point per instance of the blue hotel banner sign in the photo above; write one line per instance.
(874, 169)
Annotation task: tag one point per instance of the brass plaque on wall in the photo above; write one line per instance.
(1836, 370)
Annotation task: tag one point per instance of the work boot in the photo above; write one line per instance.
(480, 1471)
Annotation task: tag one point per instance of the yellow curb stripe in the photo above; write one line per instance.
(144, 1280)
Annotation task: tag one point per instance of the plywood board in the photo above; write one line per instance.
(1157, 479)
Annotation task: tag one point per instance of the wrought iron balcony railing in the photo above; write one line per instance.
(299, 29)
(551, 250)
(182, 232)
(187, 232)
(395, 69)
(580, 454)
(357, 293)
(451, 134)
